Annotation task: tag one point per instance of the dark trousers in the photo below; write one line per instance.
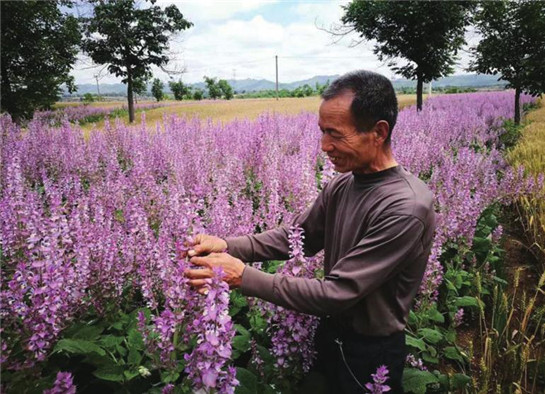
(347, 359)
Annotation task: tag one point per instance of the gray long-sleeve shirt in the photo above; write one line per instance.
(376, 231)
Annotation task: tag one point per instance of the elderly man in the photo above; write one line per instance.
(375, 222)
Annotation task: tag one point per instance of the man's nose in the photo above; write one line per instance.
(327, 146)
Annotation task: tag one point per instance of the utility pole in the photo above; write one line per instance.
(429, 89)
(276, 58)
(98, 90)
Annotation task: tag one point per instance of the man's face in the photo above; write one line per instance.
(348, 149)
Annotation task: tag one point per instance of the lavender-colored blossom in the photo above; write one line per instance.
(292, 333)
(458, 317)
(415, 363)
(63, 384)
(208, 363)
(379, 379)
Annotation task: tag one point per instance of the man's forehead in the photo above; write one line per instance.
(338, 105)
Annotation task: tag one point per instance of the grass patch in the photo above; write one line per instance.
(530, 153)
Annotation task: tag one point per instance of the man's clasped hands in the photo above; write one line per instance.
(207, 253)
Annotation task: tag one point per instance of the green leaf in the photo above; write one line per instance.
(110, 341)
(78, 346)
(427, 357)
(88, 332)
(169, 377)
(466, 301)
(135, 357)
(248, 382)
(121, 350)
(135, 339)
(430, 335)
(417, 381)
(241, 343)
(237, 302)
(413, 319)
(452, 353)
(415, 342)
(436, 316)
(242, 330)
(460, 381)
(450, 336)
(111, 373)
(129, 374)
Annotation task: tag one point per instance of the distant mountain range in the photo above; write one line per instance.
(254, 85)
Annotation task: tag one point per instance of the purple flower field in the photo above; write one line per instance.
(95, 228)
(87, 113)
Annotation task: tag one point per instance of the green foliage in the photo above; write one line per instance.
(303, 91)
(248, 382)
(198, 94)
(226, 89)
(157, 89)
(130, 39)
(214, 91)
(39, 47)
(88, 98)
(512, 44)
(179, 89)
(425, 34)
(140, 85)
(512, 133)
(417, 381)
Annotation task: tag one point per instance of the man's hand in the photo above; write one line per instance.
(205, 244)
(231, 266)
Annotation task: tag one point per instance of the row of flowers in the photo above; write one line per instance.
(88, 113)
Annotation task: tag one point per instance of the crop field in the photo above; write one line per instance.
(224, 111)
(95, 224)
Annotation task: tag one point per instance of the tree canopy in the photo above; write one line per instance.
(226, 89)
(512, 44)
(157, 89)
(39, 47)
(131, 39)
(214, 90)
(419, 39)
(179, 89)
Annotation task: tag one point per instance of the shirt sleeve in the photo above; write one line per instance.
(386, 248)
(274, 244)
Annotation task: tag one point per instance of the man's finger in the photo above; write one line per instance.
(201, 261)
(199, 282)
(199, 273)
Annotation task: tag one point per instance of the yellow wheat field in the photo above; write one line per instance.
(530, 152)
(226, 111)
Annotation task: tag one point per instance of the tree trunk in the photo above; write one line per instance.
(517, 106)
(419, 88)
(130, 98)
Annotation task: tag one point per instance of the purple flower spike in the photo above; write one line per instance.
(379, 378)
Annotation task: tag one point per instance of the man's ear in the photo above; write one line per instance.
(382, 128)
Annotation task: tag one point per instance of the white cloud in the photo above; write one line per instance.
(213, 10)
(241, 39)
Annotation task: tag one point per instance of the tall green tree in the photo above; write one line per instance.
(419, 39)
(226, 89)
(179, 89)
(157, 89)
(131, 39)
(214, 90)
(512, 44)
(39, 47)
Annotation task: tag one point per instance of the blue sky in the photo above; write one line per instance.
(239, 39)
